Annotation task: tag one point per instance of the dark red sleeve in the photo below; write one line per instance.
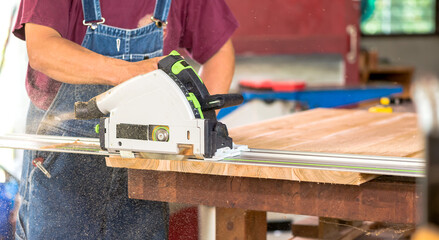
(208, 25)
(50, 13)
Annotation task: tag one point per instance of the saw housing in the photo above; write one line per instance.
(167, 111)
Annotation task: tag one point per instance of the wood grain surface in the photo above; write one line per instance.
(320, 130)
(238, 170)
(337, 131)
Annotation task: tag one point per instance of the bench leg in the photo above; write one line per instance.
(240, 224)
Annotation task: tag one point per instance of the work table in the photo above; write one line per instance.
(236, 189)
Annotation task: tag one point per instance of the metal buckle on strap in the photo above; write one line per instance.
(159, 23)
(93, 25)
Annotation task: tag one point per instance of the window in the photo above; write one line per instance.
(399, 17)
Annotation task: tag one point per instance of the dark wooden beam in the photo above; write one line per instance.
(382, 200)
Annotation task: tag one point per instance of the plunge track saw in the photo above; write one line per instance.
(166, 111)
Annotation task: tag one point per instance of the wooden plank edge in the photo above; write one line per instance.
(239, 170)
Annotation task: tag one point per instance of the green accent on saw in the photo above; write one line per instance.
(324, 165)
(196, 103)
(178, 67)
(174, 53)
(97, 128)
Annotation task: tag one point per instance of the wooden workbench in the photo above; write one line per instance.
(292, 191)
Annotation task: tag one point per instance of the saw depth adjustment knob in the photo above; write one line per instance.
(160, 134)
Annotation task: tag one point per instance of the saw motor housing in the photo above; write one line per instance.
(166, 111)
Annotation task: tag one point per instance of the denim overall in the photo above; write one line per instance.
(84, 199)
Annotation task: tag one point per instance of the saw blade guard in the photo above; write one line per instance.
(167, 111)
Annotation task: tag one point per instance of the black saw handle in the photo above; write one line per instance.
(176, 67)
(219, 101)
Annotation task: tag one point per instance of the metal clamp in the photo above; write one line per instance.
(159, 23)
(93, 25)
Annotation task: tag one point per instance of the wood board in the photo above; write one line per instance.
(319, 130)
(237, 170)
(337, 131)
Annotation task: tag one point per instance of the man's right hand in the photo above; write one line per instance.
(137, 68)
(68, 62)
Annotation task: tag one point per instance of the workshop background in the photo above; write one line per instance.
(356, 51)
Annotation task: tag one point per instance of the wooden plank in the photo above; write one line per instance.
(329, 228)
(337, 131)
(319, 130)
(381, 200)
(237, 170)
(240, 224)
(427, 233)
(307, 228)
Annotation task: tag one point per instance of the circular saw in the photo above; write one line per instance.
(166, 111)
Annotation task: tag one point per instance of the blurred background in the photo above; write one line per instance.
(338, 53)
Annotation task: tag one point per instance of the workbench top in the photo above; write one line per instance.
(319, 130)
(337, 131)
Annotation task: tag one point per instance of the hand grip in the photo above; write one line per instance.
(222, 101)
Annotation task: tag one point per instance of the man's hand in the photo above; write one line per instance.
(68, 62)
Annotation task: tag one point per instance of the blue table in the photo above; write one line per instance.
(327, 97)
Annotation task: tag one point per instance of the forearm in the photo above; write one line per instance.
(217, 72)
(68, 62)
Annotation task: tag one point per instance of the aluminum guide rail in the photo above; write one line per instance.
(40, 143)
(398, 166)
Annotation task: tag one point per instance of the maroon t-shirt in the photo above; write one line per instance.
(199, 26)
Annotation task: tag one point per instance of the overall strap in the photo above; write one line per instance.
(92, 11)
(161, 10)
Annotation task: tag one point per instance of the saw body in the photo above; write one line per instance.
(150, 114)
(167, 111)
